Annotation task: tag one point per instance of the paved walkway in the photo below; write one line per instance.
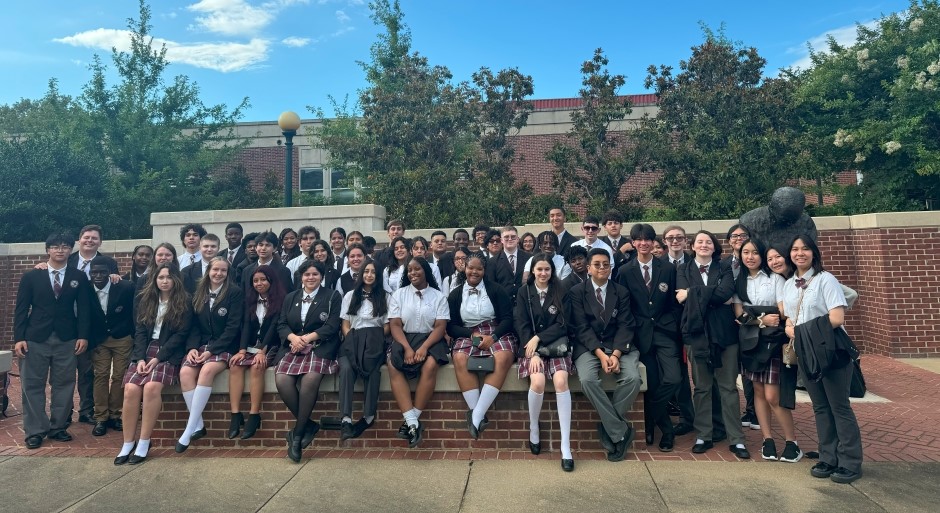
(904, 428)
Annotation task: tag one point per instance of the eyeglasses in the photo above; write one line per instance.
(494, 241)
(61, 247)
(460, 259)
(590, 228)
(510, 237)
(677, 238)
(739, 236)
(601, 266)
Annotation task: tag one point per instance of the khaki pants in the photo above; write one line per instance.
(110, 360)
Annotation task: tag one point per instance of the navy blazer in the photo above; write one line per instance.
(609, 327)
(239, 257)
(112, 263)
(322, 318)
(654, 308)
(566, 241)
(502, 305)
(172, 340)
(218, 327)
(498, 272)
(191, 277)
(260, 334)
(38, 313)
(549, 320)
(118, 321)
(283, 274)
(706, 318)
(502, 260)
(445, 264)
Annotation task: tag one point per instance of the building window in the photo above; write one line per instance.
(339, 188)
(327, 183)
(311, 180)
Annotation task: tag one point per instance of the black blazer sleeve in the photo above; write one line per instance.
(173, 341)
(502, 305)
(549, 326)
(235, 304)
(623, 338)
(24, 299)
(579, 319)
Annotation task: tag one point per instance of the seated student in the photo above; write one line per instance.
(439, 255)
(652, 285)
(265, 243)
(140, 263)
(163, 314)
(218, 307)
(208, 249)
(190, 235)
(251, 256)
(394, 271)
(51, 326)
(547, 243)
(576, 258)
(259, 343)
(112, 340)
(419, 248)
(355, 259)
(365, 327)
(307, 235)
(417, 316)
(540, 320)
(458, 277)
(600, 314)
(322, 253)
(287, 248)
(480, 325)
(164, 253)
(309, 330)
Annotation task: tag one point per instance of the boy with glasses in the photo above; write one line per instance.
(590, 227)
(676, 240)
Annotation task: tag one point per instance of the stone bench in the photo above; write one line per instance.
(444, 419)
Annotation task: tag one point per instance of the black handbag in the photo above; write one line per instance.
(483, 364)
(557, 348)
(857, 388)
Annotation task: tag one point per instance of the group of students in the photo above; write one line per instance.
(589, 307)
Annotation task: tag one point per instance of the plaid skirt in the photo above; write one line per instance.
(769, 376)
(505, 343)
(221, 357)
(249, 359)
(550, 367)
(163, 372)
(296, 364)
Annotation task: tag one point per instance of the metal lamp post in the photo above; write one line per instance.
(289, 122)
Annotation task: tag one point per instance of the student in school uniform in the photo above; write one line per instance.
(417, 316)
(256, 350)
(365, 328)
(140, 263)
(675, 240)
(557, 217)
(190, 235)
(163, 315)
(539, 319)
(439, 256)
(622, 246)
(395, 228)
(576, 261)
(287, 248)
(355, 259)
(419, 248)
(527, 243)
(251, 256)
(235, 252)
(659, 248)
(51, 326)
(164, 253)
(395, 268)
(322, 253)
(338, 247)
(265, 243)
(738, 234)
(704, 285)
(480, 325)
(547, 243)
(218, 306)
(308, 326)
(512, 258)
(458, 277)
(307, 235)
(112, 340)
(208, 249)
(461, 238)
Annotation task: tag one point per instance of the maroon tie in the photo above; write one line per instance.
(703, 269)
(646, 276)
(801, 283)
(418, 292)
(472, 291)
(600, 298)
(512, 263)
(57, 284)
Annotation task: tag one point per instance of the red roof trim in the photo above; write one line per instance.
(573, 103)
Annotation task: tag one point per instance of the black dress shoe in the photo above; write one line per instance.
(682, 429)
(650, 438)
(535, 448)
(567, 465)
(86, 419)
(474, 431)
(345, 431)
(667, 442)
(120, 460)
(60, 436)
(620, 450)
(136, 460)
(403, 431)
(251, 426)
(180, 448)
(843, 475)
(414, 435)
(309, 432)
(33, 442)
(485, 423)
(294, 450)
(100, 429)
(116, 424)
(361, 426)
(235, 425)
(740, 452)
(702, 447)
(822, 470)
(198, 434)
(604, 438)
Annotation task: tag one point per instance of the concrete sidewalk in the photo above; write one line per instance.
(273, 485)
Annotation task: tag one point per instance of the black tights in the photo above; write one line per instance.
(300, 394)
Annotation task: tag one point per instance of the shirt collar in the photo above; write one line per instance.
(603, 287)
(106, 289)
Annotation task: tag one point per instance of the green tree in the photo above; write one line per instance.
(595, 159)
(722, 137)
(874, 107)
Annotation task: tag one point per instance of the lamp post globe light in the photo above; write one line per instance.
(289, 122)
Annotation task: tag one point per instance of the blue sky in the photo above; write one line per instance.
(288, 54)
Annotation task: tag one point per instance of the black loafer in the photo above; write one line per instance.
(822, 470)
(667, 442)
(361, 426)
(650, 438)
(136, 460)
(414, 435)
(294, 450)
(346, 431)
(116, 424)
(235, 425)
(100, 429)
(403, 431)
(536, 448)
(86, 419)
(682, 429)
(485, 423)
(740, 452)
(620, 450)
(702, 447)
(309, 432)
(120, 460)
(33, 442)
(843, 475)
(604, 438)
(198, 434)
(61, 436)
(474, 431)
(180, 448)
(567, 465)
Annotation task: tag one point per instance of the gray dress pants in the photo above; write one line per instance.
(612, 411)
(51, 360)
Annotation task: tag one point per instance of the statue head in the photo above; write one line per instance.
(786, 205)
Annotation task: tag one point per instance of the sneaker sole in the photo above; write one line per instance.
(745, 424)
(755, 426)
(820, 475)
(792, 460)
(769, 458)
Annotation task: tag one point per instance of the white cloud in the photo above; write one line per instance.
(845, 36)
(224, 57)
(342, 31)
(342, 17)
(231, 17)
(296, 42)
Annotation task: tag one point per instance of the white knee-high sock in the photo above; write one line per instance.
(472, 397)
(200, 398)
(487, 396)
(188, 398)
(535, 408)
(564, 421)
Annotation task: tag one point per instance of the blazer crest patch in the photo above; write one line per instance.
(663, 287)
(119, 309)
(73, 284)
(323, 316)
(223, 311)
(552, 310)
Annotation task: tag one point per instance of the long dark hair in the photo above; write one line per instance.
(461, 276)
(376, 296)
(394, 264)
(329, 252)
(153, 261)
(555, 294)
(428, 274)
(150, 299)
(811, 244)
(276, 293)
(741, 282)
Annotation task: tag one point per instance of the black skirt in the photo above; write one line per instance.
(365, 349)
(396, 354)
